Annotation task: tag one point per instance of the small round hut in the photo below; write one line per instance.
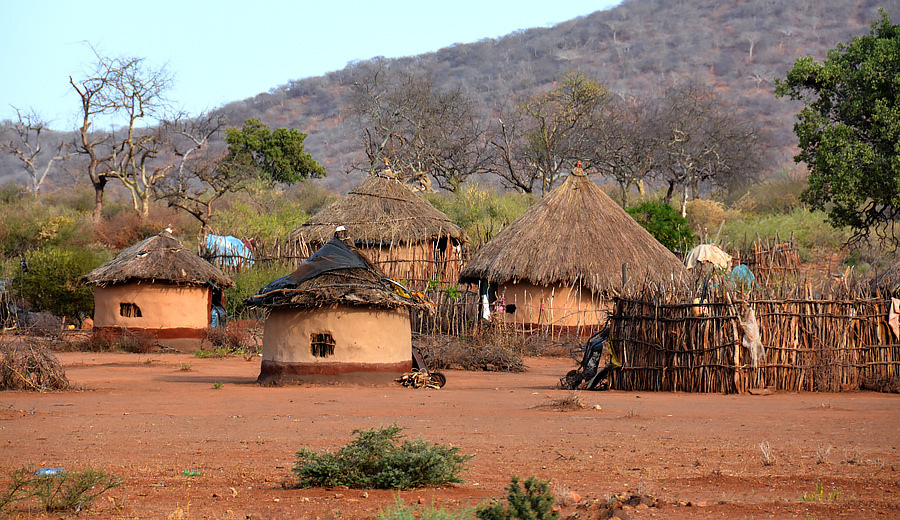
(336, 318)
(395, 227)
(556, 266)
(159, 291)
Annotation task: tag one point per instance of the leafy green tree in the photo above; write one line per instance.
(279, 155)
(849, 130)
(665, 224)
(52, 281)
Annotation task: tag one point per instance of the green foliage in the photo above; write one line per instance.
(60, 492)
(819, 494)
(849, 128)
(374, 460)
(401, 511)
(531, 501)
(53, 281)
(479, 211)
(246, 283)
(665, 224)
(809, 227)
(265, 215)
(279, 155)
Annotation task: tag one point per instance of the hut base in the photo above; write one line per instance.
(281, 373)
(182, 339)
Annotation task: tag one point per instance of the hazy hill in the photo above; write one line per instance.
(637, 48)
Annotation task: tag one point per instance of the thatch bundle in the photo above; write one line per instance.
(30, 366)
(336, 274)
(160, 258)
(381, 211)
(576, 235)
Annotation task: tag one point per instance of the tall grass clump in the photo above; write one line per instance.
(378, 459)
(64, 491)
(810, 228)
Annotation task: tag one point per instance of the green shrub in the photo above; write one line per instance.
(665, 224)
(810, 229)
(248, 282)
(52, 282)
(531, 501)
(374, 460)
(401, 511)
(60, 492)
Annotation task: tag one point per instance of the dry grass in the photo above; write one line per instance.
(27, 364)
(569, 403)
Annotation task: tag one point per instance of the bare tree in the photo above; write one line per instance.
(550, 131)
(126, 90)
(704, 141)
(26, 146)
(420, 129)
(199, 179)
(625, 149)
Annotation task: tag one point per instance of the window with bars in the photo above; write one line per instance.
(321, 344)
(129, 310)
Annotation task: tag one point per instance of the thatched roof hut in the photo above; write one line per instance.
(395, 226)
(575, 235)
(557, 264)
(160, 258)
(380, 211)
(336, 318)
(158, 292)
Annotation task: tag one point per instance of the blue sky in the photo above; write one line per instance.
(229, 50)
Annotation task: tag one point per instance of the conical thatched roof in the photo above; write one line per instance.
(381, 210)
(336, 274)
(160, 258)
(575, 235)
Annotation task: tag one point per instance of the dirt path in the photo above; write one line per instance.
(150, 417)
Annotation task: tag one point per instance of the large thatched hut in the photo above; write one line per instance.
(395, 227)
(336, 318)
(557, 265)
(157, 290)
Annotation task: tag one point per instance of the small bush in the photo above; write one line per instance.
(665, 224)
(374, 460)
(60, 492)
(246, 284)
(531, 501)
(401, 511)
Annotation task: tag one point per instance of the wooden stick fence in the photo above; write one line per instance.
(825, 344)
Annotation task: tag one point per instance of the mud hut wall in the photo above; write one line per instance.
(161, 306)
(362, 335)
(811, 345)
(555, 307)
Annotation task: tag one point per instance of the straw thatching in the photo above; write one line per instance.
(336, 274)
(575, 236)
(380, 211)
(160, 258)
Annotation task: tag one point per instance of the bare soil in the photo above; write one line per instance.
(150, 417)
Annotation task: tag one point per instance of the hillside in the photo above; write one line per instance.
(637, 48)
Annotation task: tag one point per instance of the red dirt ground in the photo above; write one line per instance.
(149, 417)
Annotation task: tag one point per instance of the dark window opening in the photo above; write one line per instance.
(129, 310)
(321, 344)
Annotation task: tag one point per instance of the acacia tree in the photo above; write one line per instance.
(549, 132)
(419, 129)
(849, 129)
(278, 156)
(26, 146)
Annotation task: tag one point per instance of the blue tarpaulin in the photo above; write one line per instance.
(228, 250)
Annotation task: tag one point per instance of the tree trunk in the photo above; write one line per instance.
(99, 187)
